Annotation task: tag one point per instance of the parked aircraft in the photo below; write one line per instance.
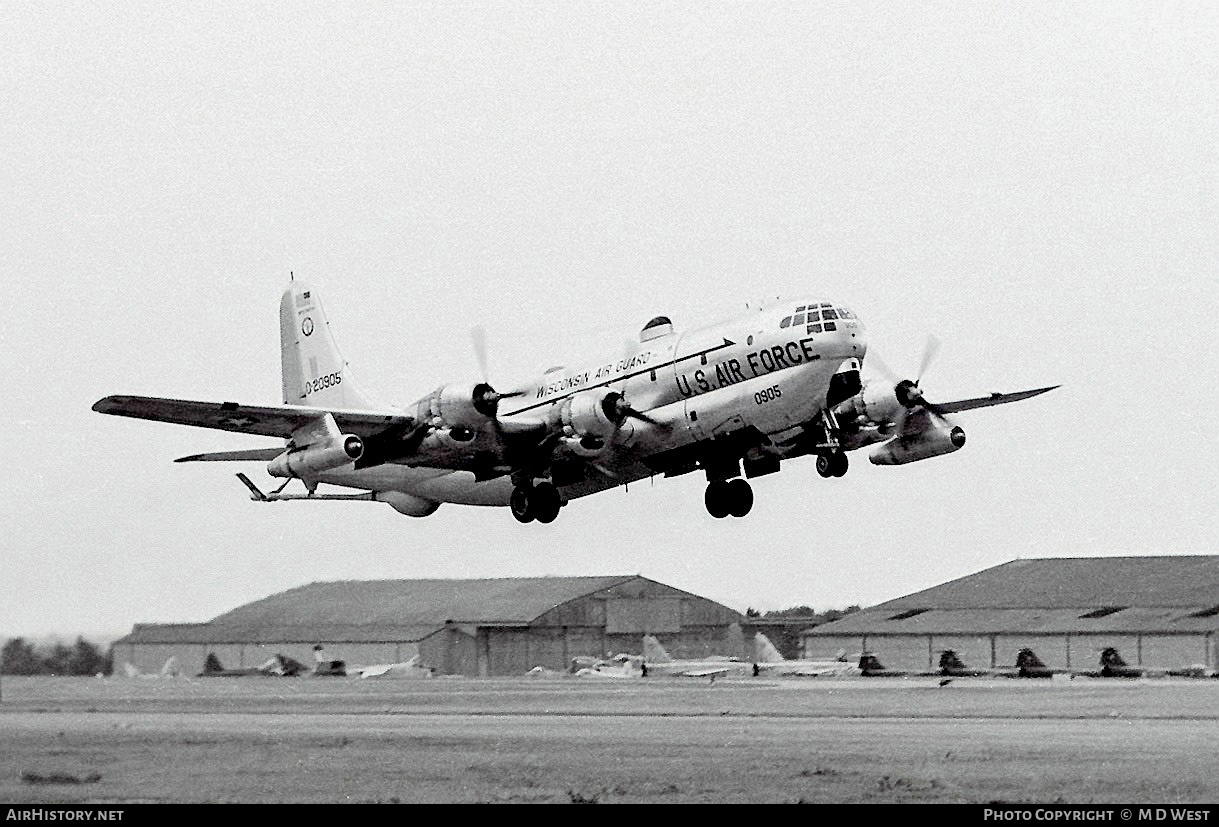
(1112, 665)
(277, 666)
(952, 666)
(770, 661)
(619, 666)
(657, 661)
(734, 400)
(1028, 665)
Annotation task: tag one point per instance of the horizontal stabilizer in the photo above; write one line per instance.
(254, 454)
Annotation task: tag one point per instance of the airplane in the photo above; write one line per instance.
(734, 400)
(770, 661)
(619, 666)
(1028, 665)
(1113, 665)
(657, 661)
(952, 666)
(277, 666)
(412, 668)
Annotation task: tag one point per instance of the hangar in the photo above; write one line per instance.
(502, 626)
(1159, 612)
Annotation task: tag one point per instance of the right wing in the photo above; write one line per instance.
(277, 421)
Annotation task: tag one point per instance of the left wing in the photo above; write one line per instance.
(277, 421)
(987, 401)
(922, 417)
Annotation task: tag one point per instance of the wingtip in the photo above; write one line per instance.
(106, 404)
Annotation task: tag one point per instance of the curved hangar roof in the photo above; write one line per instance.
(1172, 594)
(508, 600)
(407, 610)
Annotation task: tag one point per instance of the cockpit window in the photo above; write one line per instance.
(814, 315)
(830, 327)
(798, 318)
(787, 320)
(800, 309)
(828, 313)
(843, 313)
(814, 328)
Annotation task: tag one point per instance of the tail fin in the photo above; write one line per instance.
(314, 372)
(765, 651)
(653, 652)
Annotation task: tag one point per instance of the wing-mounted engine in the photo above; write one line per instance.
(932, 442)
(317, 457)
(462, 410)
(587, 421)
(878, 404)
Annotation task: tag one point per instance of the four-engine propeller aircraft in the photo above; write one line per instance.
(733, 400)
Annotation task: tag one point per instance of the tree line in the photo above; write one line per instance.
(20, 657)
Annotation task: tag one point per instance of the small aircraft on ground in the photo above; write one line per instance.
(770, 661)
(657, 661)
(734, 400)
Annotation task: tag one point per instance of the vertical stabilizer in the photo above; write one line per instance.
(653, 652)
(314, 372)
(765, 651)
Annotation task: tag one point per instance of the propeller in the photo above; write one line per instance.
(909, 394)
(486, 398)
(617, 409)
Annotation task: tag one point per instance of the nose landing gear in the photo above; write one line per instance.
(724, 497)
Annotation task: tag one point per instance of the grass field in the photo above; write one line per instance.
(65, 740)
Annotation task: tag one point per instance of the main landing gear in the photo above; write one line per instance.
(726, 497)
(539, 502)
(832, 465)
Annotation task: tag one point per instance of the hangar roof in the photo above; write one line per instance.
(505, 600)
(404, 610)
(1067, 582)
(1078, 595)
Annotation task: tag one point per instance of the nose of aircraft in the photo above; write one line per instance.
(853, 336)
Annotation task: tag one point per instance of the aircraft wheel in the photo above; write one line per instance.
(717, 499)
(839, 464)
(740, 497)
(545, 502)
(825, 465)
(521, 503)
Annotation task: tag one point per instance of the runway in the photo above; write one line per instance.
(564, 740)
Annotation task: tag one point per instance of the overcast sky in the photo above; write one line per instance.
(1033, 183)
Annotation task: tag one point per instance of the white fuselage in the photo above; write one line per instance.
(696, 385)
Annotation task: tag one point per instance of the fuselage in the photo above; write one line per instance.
(769, 370)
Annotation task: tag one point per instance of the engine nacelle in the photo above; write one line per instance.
(407, 504)
(930, 443)
(588, 420)
(876, 403)
(468, 407)
(318, 457)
